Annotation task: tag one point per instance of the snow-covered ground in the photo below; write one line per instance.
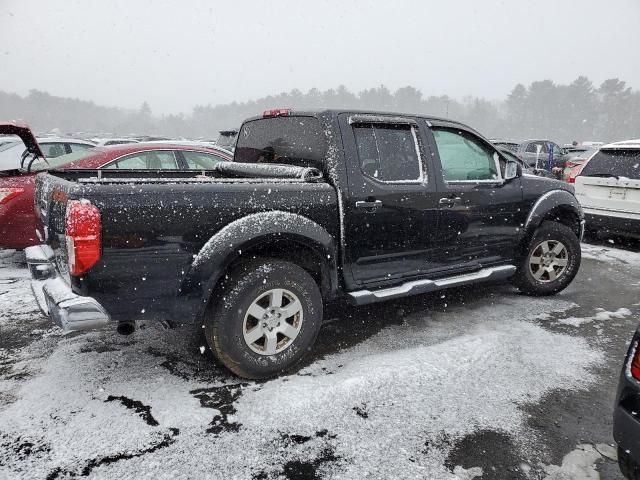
(392, 406)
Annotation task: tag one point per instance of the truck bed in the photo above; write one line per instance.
(178, 212)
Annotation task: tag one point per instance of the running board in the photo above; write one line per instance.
(363, 297)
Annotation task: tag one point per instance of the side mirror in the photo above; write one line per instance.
(512, 170)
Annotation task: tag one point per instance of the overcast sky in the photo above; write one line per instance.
(179, 54)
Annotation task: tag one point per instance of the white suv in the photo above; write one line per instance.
(608, 188)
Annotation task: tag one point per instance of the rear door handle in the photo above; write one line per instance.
(449, 201)
(368, 205)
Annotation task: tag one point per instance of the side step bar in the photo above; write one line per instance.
(363, 297)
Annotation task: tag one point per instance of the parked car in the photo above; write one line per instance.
(608, 188)
(528, 151)
(197, 143)
(536, 153)
(227, 139)
(4, 139)
(105, 142)
(509, 155)
(17, 216)
(574, 160)
(12, 153)
(626, 424)
(592, 144)
(316, 206)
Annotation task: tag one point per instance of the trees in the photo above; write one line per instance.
(576, 111)
(614, 119)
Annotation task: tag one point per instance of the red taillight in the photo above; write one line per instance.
(8, 193)
(575, 171)
(635, 364)
(83, 234)
(276, 112)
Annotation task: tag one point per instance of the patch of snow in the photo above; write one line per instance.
(576, 465)
(345, 414)
(601, 315)
(608, 254)
(467, 474)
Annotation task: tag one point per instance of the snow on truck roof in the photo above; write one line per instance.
(284, 112)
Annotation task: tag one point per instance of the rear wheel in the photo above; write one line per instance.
(267, 318)
(551, 261)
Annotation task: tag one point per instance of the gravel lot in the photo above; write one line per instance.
(468, 383)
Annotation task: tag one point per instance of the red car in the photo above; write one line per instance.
(17, 217)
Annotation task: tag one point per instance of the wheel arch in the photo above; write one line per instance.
(274, 235)
(557, 206)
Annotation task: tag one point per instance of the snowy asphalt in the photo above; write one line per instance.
(468, 383)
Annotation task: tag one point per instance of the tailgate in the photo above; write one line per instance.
(612, 193)
(622, 195)
(51, 195)
(609, 183)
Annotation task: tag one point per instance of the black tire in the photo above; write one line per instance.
(627, 466)
(225, 319)
(551, 234)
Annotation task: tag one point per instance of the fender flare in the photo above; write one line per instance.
(224, 247)
(552, 200)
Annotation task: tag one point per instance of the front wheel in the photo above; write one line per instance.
(267, 318)
(551, 261)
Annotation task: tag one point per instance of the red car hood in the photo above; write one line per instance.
(23, 131)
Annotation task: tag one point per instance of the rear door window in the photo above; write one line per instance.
(618, 163)
(294, 140)
(388, 153)
(201, 160)
(79, 147)
(160, 160)
(53, 150)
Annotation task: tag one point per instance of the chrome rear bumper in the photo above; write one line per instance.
(55, 297)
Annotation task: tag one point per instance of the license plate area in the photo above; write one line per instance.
(617, 193)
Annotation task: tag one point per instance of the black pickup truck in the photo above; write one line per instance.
(316, 206)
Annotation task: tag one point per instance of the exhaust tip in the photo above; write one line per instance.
(126, 328)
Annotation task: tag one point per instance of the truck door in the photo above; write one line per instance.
(480, 213)
(391, 210)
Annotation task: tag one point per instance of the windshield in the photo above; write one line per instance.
(56, 162)
(226, 141)
(10, 155)
(616, 163)
(8, 145)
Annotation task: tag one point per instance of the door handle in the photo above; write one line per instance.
(369, 205)
(450, 201)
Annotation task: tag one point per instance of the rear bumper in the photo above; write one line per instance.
(626, 432)
(618, 223)
(55, 298)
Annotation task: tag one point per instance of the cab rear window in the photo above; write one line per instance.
(295, 140)
(618, 163)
